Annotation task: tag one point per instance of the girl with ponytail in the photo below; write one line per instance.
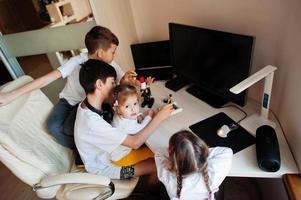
(189, 169)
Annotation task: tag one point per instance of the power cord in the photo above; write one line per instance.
(244, 117)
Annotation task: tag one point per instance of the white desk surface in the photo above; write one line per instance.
(194, 110)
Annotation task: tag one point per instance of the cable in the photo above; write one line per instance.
(244, 117)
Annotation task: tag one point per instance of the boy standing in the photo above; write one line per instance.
(98, 143)
(101, 44)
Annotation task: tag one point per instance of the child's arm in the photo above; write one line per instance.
(219, 164)
(150, 113)
(149, 80)
(125, 78)
(7, 97)
(63, 71)
(141, 122)
(161, 159)
(135, 141)
(135, 127)
(128, 78)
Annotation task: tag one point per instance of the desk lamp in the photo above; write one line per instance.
(254, 121)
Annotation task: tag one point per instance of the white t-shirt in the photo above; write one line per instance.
(129, 126)
(97, 143)
(73, 92)
(193, 186)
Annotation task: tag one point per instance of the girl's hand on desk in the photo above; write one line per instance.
(164, 112)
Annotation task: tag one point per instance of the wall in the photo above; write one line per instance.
(117, 16)
(255, 18)
(274, 23)
(81, 8)
(287, 87)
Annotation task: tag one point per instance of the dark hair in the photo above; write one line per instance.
(91, 71)
(100, 38)
(188, 154)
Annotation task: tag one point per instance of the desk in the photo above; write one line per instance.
(194, 110)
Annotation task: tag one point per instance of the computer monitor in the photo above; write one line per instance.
(214, 61)
(152, 59)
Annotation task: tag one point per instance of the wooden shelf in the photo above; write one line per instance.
(61, 12)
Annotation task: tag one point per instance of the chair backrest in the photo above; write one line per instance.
(25, 146)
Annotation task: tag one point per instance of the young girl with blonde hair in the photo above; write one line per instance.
(190, 170)
(128, 119)
(127, 115)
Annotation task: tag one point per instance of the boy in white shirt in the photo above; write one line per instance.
(101, 44)
(96, 140)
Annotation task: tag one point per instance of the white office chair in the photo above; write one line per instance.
(34, 157)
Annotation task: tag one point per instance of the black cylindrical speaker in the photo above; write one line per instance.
(267, 149)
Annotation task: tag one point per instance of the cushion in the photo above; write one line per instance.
(25, 146)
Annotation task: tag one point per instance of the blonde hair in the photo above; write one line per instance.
(188, 154)
(123, 92)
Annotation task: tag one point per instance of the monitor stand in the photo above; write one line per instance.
(176, 83)
(211, 99)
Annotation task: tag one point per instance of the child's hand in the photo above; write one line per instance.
(128, 78)
(164, 112)
(149, 80)
(140, 118)
(151, 113)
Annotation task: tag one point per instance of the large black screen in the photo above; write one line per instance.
(213, 60)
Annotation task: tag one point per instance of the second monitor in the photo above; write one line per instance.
(153, 59)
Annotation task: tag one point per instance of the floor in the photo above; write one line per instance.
(231, 189)
(37, 66)
(11, 188)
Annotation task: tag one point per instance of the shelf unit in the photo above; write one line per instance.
(61, 13)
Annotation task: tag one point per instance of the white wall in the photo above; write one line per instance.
(288, 82)
(257, 18)
(276, 26)
(117, 16)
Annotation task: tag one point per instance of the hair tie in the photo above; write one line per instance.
(115, 103)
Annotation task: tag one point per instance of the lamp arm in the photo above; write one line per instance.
(254, 78)
(268, 74)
